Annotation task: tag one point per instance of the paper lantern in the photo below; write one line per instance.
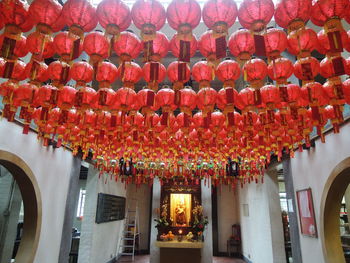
(130, 73)
(275, 42)
(241, 44)
(106, 73)
(16, 13)
(183, 46)
(45, 13)
(302, 42)
(210, 48)
(255, 70)
(203, 72)
(178, 73)
(114, 16)
(280, 70)
(67, 46)
(228, 71)
(154, 73)
(40, 45)
(323, 10)
(128, 46)
(59, 72)
(306, 68)
(19, 49)
(82, 72)
(155, 47)
(96, 46)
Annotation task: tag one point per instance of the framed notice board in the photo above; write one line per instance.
(110, 208)
(306, 213)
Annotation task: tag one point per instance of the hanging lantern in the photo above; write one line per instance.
(130, 73)
(331, 114)
(306, 68)
(219, 15)
(280, 70)
(59, 72)
(124, 99)
(323, 11)
(82, 72)
(66, 97)
(292, 14)
(40, 45)
(46, 97)
(154, 73)
(275, 42)
(212, 46)
(206, 99)
(36, 72)
(178, 73)
(165, 98)
(228, 71)
(13, 46)
(155, 47)
(80, 16)
(255, 71)
(85, 98)
(203, 72)
(45, 13)
(270, 95)
(332, 43)
(67, 46)
(128, 46)
(106, 73)
(332, 67)
(183, 15)
(183, 46)
(147, 102)
(96, 46)
(114, 16)
(302, 42)
(241, 44)
(15, 16)
(255, 14)
(187, 100)
(148, 16)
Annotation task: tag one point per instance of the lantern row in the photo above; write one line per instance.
(108, 122)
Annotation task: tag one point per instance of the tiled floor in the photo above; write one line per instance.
(145, 259)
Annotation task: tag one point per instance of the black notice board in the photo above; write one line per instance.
(110, 208)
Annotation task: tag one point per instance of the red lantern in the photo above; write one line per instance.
(58, 72)
(19, 50)
(82, 72)
(206, 99)
(324, 10)
(275, 42)
(106, 73)
(255, 14)
(104, 99)
(45, 13)
(24, 95)
(128, 46)
(331, 114)
(147, 102)
(332, 67)
(149, 16)
(80, 16)
(270, 95)
(66, 97)
(114, 16)
(130, 73)
(315, 94)
(84, 98)
(96, 46)
(302, 42)
(327, 45)
(219, 15)
(177, 48)
(248, 98)
(183, 15)
(241, 44)
(255, 70)
(46, 97)
(203, 72)
(280, 70)
(228, 71)
(16, 13)
(37, 71)
(187, 100)
(65, 46)
(165, 99)
(155, 47)
(292, 14)
(306, 68)
(13, 70)
(227, 99)
(178, 73)
(124, 99)
(154, 73)
(40, 45)
(208, 46)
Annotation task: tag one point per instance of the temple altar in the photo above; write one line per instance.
(183, 251)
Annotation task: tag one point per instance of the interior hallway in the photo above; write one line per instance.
(145, 259)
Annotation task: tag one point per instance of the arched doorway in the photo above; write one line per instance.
(332, 196)
(29, 189)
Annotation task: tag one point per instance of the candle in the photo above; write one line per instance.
(180, 232)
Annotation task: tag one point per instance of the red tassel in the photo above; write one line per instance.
(26, 128)
(260, 48)
(185, 49)
(220, 47)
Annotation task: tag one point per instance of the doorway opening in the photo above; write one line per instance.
(20, 204)
(335, 221)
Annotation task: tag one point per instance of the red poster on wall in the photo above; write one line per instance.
(306, 213)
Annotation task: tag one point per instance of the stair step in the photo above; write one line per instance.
(126, 254)
(127, 238)
(126, 246)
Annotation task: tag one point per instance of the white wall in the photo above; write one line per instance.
(51, 168)
(142, 194)
(228, 214)
(261, 222)
(99, 242)
(312, 168)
